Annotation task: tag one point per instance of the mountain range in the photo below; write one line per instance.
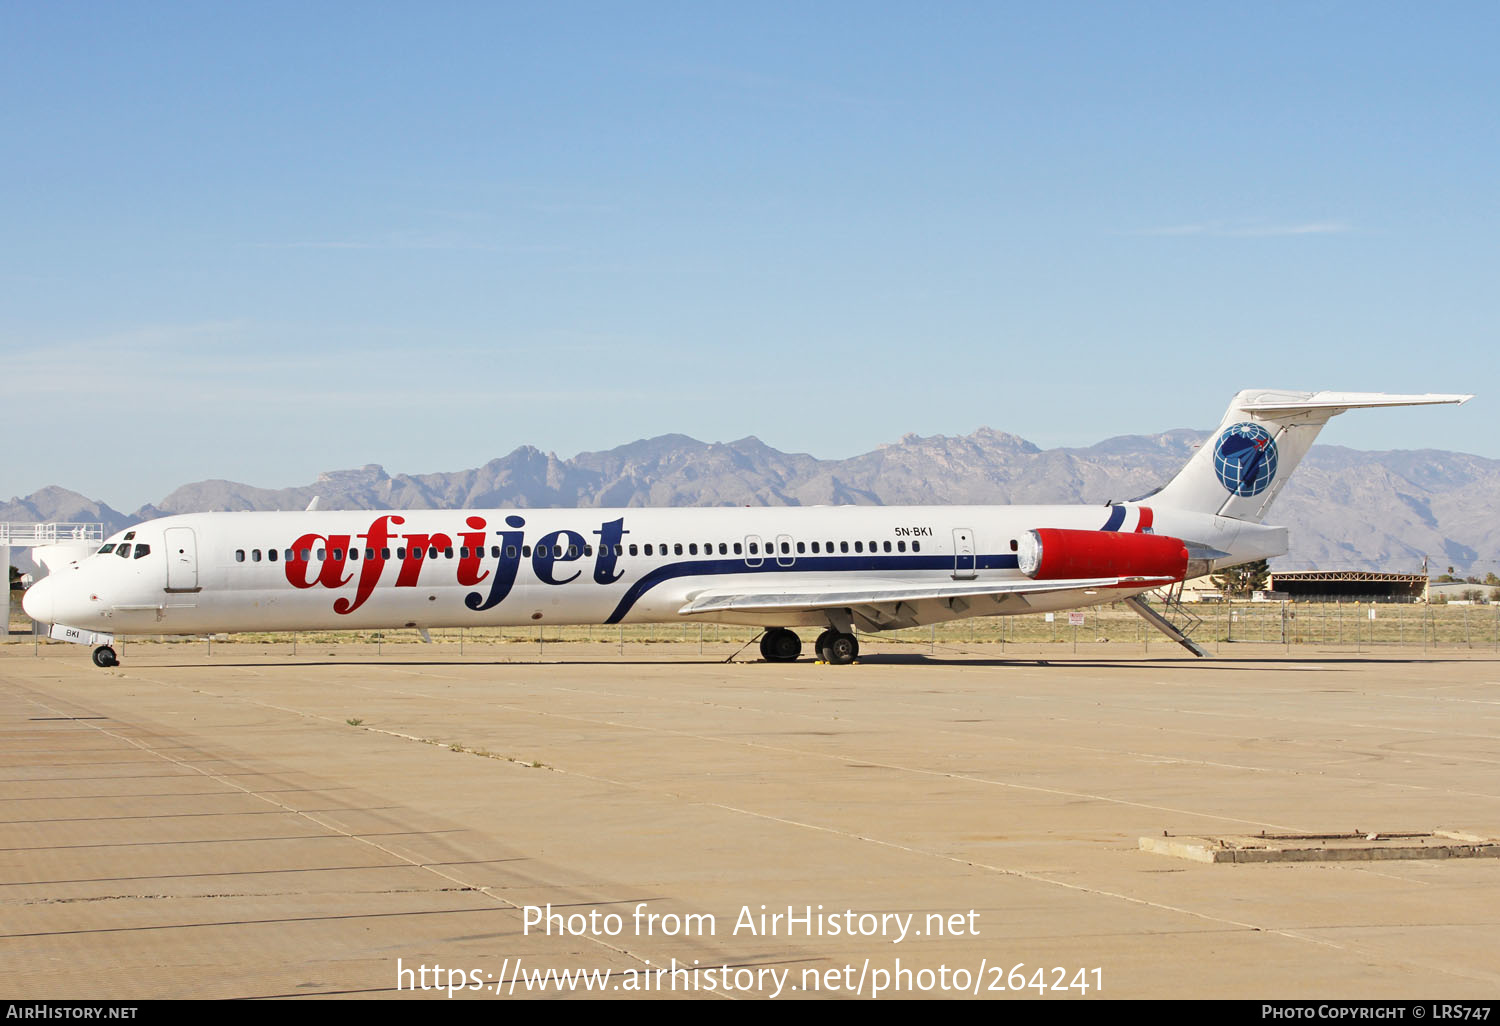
(1347, 509)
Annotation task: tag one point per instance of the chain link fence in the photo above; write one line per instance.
(1348, 624)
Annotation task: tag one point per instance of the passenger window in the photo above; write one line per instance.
(887, 546)
(401, 551)
(692, 548)
(754, 549)
(354, 554)
(271, 555)
(802, 548)
(843, 546)
(901, 546)
(572, 551)
(510, 552)
(738, 549)
(815, 548)
(525, 551)
(239, 555)
(385, 553)
(859, 546)
(916, 546)
(338, 554)
(634, 551)
(322, 555)
(677, 549)
(255, 555)
(723, 549)
(305, 555)
(648, 548)
(1013, 545)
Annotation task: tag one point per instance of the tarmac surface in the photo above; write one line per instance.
(243, 824)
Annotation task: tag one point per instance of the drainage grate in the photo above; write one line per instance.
(1357, 846)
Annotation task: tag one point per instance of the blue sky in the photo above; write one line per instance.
(260, 241)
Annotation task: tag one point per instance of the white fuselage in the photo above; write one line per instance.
(220, 572)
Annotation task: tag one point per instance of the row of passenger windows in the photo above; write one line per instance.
(572, 551)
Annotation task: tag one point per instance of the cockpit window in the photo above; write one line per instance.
(123, 551)
(129, 535)
(142, 550)
(106, 550)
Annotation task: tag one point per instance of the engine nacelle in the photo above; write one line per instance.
(1054, 554)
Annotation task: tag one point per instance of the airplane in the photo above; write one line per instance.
(833, 569)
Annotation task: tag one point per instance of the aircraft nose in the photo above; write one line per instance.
(39, 599)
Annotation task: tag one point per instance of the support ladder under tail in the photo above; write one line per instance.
(1179, 627)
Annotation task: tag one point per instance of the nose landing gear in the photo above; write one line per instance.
(104, 657)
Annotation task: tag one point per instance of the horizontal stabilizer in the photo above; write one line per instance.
(1290, 402)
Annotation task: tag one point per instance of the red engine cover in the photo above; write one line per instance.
(1054, 554)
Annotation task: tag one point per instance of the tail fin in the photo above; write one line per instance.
(1240, 470)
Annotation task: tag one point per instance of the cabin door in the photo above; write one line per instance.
(182, 559)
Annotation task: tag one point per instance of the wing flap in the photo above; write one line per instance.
(814, 597)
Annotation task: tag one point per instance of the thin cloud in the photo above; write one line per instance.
(1231, 230)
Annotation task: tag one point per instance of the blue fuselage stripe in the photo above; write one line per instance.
(801, 564)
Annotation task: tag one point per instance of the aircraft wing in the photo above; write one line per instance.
(886, 595)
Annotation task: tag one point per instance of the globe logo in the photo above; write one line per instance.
(1245, 459)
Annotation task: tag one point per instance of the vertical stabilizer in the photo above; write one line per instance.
(1242, 467)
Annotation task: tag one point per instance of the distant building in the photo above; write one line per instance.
(1350, 585)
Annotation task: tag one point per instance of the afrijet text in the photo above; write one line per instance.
(492, 577)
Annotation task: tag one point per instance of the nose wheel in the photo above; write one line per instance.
(104, 657)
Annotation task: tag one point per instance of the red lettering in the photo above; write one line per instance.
(416, 544)
(376, 540)
(330, 570)
(468, 566)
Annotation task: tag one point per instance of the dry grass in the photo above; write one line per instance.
(1296, 623)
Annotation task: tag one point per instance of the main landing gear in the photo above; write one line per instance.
(837, 648)
(104, 657)
(780, 645)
